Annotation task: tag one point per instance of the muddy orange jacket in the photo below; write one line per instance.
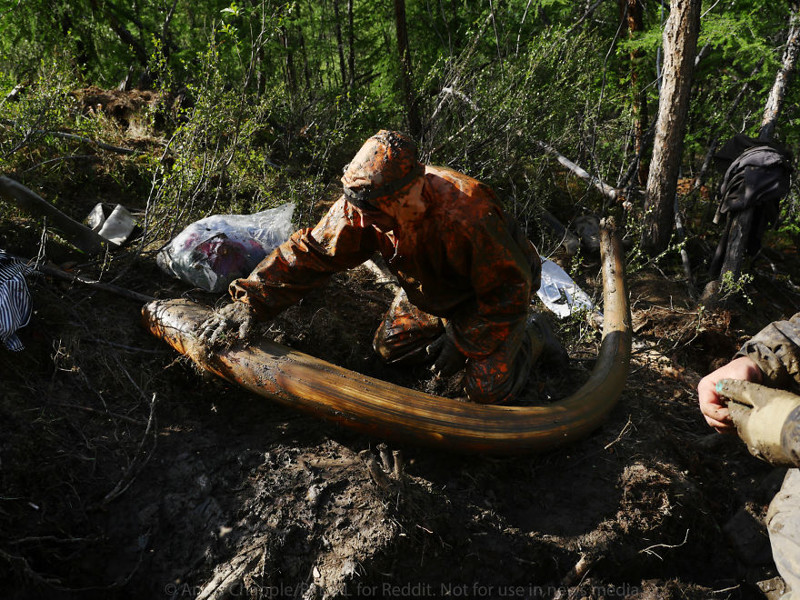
(467, 261)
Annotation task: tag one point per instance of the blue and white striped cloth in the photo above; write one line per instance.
(15, 300)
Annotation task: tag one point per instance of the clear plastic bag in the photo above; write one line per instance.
(212, 252)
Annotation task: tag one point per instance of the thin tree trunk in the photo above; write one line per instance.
(304, 52)
(680, 44)
(291, 77)
(631, 11)
(339, 42)
(123, 34)
(778, 91)
(351, 44)
(414, 122)
(258, 58)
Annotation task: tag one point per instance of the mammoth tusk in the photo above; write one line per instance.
(389, 411)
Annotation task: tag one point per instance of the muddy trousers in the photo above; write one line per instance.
(406, 332)
(783, 524)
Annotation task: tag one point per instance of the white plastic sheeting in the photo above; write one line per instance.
(560, 293)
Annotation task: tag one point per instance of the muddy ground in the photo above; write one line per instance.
(126, 473)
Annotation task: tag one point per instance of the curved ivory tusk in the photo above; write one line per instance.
(390, 411)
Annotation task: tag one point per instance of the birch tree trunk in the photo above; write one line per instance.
(680, 43)
(778, 91)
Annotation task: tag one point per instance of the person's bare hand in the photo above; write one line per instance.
(712, 406)
(232, 320)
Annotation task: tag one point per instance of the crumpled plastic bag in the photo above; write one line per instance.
(15, 300)
(560, 293)
(212, 252)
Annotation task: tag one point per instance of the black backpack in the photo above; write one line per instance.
(757, 175)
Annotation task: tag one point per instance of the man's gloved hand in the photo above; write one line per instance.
(767, 420)
(235, 318)
(448, 359)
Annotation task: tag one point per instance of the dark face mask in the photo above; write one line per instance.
(359, 200)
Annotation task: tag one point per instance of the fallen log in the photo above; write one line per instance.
(390, 411)
(77, 234)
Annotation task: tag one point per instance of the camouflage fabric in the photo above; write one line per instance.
(776, 350)
(466, 261)
(783, 524)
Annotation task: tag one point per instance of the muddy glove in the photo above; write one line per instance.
(233, 320)
(448, 359)
(767, 420)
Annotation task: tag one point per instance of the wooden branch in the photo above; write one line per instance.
(79, 235)
(595, 182)
(104, 287)
(69, 136)
(456, 134)
(586, 15)
(122, 32)
(12, 95)
(461, 95)
(99, 144)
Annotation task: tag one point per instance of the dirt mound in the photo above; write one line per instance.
(129, 109)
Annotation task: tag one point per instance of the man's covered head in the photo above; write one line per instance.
(386, 164)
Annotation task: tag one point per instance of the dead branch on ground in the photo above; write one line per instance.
(141, 458)
(79, 235)
(105, 287)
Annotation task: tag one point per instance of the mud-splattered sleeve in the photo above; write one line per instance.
(306, 261)
(776, 351)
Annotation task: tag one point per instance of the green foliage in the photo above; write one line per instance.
(280, 93)
(45, 107)
(731, 287)
(210, 164)
(494, 115)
